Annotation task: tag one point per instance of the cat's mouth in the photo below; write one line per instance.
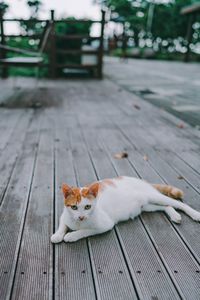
(81, 218)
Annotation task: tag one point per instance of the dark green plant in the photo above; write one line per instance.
(31, 26)
(167, 23)
(34, 5)
(63, 28)
(3, 6)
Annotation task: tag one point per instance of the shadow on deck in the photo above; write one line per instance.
(69, 131)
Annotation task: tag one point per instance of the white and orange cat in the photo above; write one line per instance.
(96, 208)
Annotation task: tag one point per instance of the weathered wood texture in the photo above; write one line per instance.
(72, 137)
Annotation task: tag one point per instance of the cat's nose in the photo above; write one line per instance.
(81, 218)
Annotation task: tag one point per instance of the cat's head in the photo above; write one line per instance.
(80, 202)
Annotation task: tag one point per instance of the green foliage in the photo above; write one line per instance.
(3, 6)
(31, 26)
(167, 23)
(34, 6)
(62, 44)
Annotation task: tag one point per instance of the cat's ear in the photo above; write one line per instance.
(66, 189)
(93, 189)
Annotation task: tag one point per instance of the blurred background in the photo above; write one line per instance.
(156, 29)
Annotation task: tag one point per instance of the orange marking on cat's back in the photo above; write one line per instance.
(109, 182)
(119, 177)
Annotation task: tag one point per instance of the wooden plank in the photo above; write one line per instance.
(191, 159)
(3, 53)
(9, 155)
(101, 46)
(13, 210)
(75, 51)
(76, 37)
(185, 171)
(105, 253)
(141, 142)
(73, 275)
(8, 122)
(138, 249)
(34, 272)
(116, 141)
(190, 9)
(143, 117)
(170, 176)
(76, 66)
(56, 21)
(166, 240)
(184, 143)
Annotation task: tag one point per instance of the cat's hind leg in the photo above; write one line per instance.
(170, 211)
(166, 201)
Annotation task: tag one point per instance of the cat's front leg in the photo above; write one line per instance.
(79, 234)
(58, 236)
(102, 226)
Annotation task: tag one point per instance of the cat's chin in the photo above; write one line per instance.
(81, 221)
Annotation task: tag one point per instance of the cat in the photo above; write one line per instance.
(96, 208)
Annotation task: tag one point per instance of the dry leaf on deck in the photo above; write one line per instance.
(180, 125)
(121, 155)
(136, 106)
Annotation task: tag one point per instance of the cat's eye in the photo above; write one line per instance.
(74, 207)
(87, 207)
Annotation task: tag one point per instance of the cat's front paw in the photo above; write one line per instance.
(196, 216)
(56, 238)
(71, 237)
(176, 218)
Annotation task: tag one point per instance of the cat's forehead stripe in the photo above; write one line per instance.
(76, 196)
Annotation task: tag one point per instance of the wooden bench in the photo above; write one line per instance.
(50, 35)
(32, 59)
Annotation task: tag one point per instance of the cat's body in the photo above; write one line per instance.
(98, 207)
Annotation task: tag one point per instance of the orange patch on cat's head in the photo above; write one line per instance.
(72, 195)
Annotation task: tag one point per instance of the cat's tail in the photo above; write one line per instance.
(169, 190)
(166, 201)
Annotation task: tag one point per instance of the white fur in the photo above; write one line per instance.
(123, 200)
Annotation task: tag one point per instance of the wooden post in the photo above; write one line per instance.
(101, 47)
(189, 36)
(124, 41)
(52, 54)
(3, 51)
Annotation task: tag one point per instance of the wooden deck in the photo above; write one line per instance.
(69, 131)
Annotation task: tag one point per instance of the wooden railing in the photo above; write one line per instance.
(52, 50)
